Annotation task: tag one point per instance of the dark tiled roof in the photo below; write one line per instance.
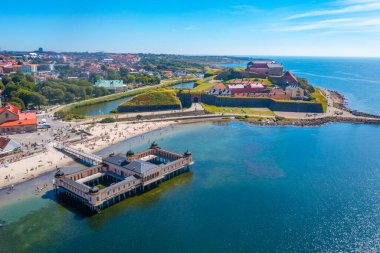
(117, 160)
(140, 166)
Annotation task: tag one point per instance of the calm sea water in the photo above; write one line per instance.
(358, 79)
(251, 189)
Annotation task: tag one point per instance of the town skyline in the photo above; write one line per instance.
(258, 56)
(342, 28)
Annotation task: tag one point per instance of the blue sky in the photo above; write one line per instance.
(215, 27)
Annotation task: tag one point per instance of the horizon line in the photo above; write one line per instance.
(192, 54)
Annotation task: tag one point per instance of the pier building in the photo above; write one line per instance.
(120, 176)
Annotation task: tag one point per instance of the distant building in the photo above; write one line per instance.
(8, 146)
(45, 67)
(126, 58)
(40, 77)
(295, 92)
(199, 75)
(289, 79)
(270, 68)
(111, 85)
(246, 88)
(259, 67)
(275, 69)
(29, 68)
(12, 69)
(85, 75)
(180, 73)
(167, 73)
(220, 89)
(14, 121)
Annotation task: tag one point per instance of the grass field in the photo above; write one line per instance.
(262, 112)
(202, 85)
(158, 97)
(319, 98)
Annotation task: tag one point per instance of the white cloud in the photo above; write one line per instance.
(316, 25)
(336, 25)
(349, 2)
(245, 8)
(365, 7)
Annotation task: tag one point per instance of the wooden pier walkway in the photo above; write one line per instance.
(86, 158)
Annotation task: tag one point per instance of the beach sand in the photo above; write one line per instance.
(103, 135)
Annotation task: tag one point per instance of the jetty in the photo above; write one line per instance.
(83, 157)
(118, 177)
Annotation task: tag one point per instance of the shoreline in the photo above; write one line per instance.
(27, 186)
(108, 134)
(341, 103)
(103, 136)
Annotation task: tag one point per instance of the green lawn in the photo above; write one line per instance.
(202, 85)
(319, 98)
(263, 112)
(158, 97)
(100, 186)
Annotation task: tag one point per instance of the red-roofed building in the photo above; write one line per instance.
(259, 67)
(167, 73)
(14, 121)
(289, 79)
(220, 86)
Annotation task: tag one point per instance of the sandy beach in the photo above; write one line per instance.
(102, 136)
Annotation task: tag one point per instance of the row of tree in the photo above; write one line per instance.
(128, 78)
(22, 90)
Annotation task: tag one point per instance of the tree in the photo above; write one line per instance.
(30, 97)
(17, 102)
(10, 88)
(123, 72)
(111, 75)
(54, 95)
(30, 78)
(69, 98)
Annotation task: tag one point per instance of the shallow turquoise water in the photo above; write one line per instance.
(251, 189)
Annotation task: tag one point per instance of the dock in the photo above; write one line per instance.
(83, 157)
(118, 177)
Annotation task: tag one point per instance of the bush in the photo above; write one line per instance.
(108, 120)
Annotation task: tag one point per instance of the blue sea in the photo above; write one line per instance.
(358, 79)
(251, 188)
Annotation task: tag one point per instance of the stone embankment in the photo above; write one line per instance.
(317, 122)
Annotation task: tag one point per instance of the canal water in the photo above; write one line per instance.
(189, 85)
(358, 79)
(251, 189)
(107, 107)
(101, 108)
